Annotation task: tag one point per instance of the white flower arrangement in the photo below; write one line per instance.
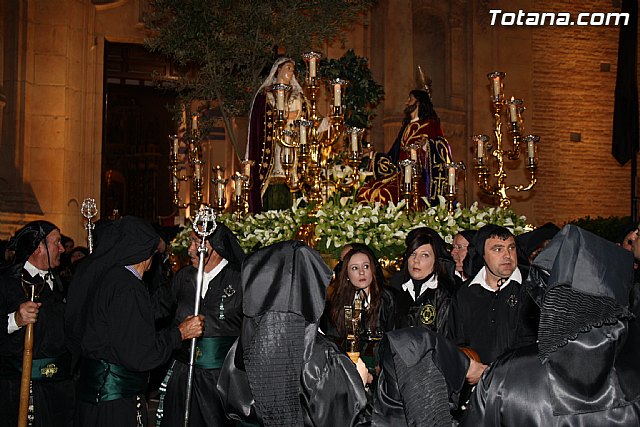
(343, 221)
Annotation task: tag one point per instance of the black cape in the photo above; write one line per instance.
(313, 383)
(420, 381)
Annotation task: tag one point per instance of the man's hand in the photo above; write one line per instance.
(191, 327)
(27, 313)
(474, 373)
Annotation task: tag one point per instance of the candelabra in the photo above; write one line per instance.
(188, 158)
(186, 164)
(514, 108)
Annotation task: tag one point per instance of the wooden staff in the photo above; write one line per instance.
(27, 361)
(25, 381)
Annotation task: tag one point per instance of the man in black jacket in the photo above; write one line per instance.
(37, 254)
(492, 312)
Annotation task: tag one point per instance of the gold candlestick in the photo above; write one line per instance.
(513, 109)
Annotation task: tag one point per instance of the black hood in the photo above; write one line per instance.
(284, 287)
(590, 351)
(287, 277)
(26, 240)
(125, 241)
(225, 243)
(587, 263)
(534, 239)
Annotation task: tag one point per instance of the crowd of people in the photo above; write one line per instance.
(541, 336)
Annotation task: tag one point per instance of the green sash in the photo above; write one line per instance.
(44, 369)
(210, 352)
(101, 381)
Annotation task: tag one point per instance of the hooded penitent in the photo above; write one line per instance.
(125, 241)
(582, 283)
(284, 289)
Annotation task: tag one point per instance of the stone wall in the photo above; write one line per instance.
(573, 82)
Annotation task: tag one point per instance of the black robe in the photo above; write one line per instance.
(53, 398)
(421, 379)
(120, 329)
(206, 408)
(410, 312)
(493, 322)
(282, 371)
(331, 390)
(519, 390)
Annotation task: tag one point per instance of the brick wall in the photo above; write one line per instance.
(572, 94)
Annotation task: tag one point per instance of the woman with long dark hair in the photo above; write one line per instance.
(360, 278)
(426, 282)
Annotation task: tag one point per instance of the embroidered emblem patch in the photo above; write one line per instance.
(427, 314)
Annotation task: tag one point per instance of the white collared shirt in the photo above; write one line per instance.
(12, 326)
(480, 279)
(432, 283)
(207, 277)
(33, 270)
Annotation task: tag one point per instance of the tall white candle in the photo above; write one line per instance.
(280, 99)
(197, 173)
(452, 176)
(303, 135)
(408, 173)
(220, 190)
(354, 142)
(176, 146)
(286, 155)
(337, 95)
(312, 67)
(480, 148)
(531, 149)
(513, 110)
(238, 188)
(496, 87)
(194, 122)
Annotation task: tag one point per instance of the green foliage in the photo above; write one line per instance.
(611, 228)
(224, 45)
(383, 228)
(362, 94)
